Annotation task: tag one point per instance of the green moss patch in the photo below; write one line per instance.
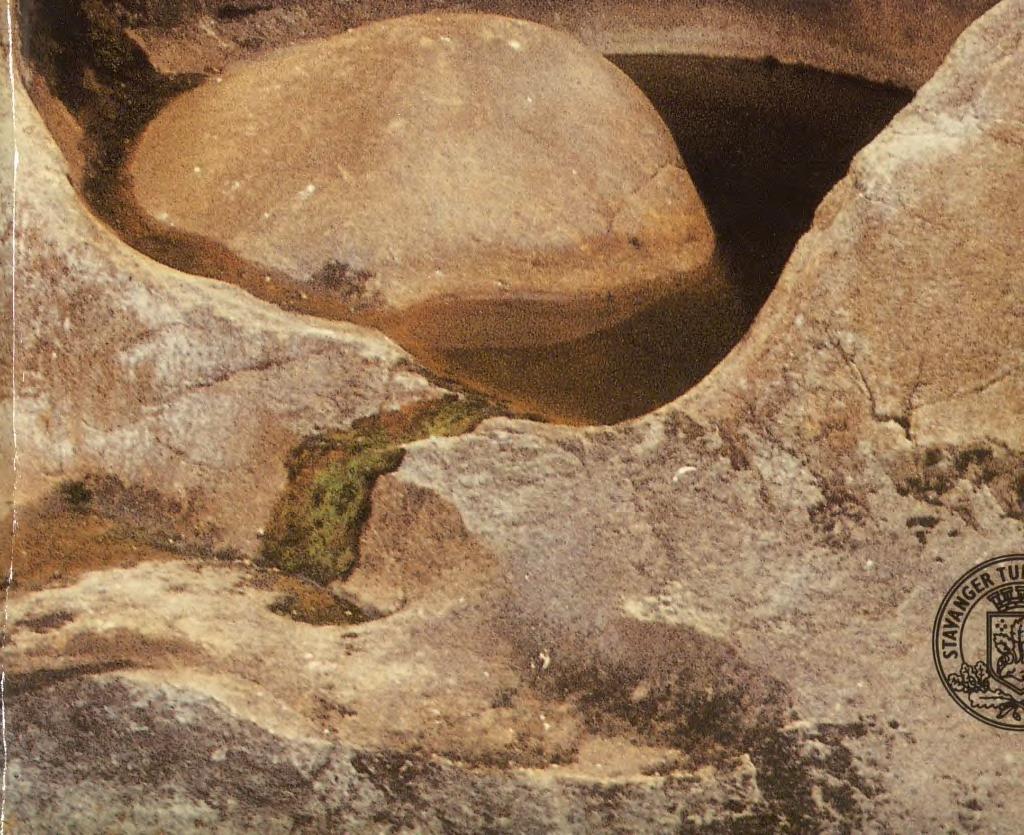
(315, 528)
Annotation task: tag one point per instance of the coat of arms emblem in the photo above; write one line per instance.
(978, 642)
(1006, 638)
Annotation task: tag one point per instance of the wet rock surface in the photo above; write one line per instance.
(713, 618)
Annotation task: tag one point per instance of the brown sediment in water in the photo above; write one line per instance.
(763, 142)
(618, 372)
(110, 196)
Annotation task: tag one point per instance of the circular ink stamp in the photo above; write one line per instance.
(978, 642)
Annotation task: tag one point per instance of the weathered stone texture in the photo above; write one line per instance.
(733, 594)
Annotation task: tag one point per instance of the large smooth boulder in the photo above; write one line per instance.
(514, 182)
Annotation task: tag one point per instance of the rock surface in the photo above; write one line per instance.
(172, 383)
(496, 163)
(714, 618)
(897, 42)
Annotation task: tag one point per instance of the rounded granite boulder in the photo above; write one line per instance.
(471, 179)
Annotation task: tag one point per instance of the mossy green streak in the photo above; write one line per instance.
(316, 525)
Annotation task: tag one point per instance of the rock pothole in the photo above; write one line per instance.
(572, 274)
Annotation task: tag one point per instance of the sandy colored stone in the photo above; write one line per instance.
(496, 162)
(757, 542)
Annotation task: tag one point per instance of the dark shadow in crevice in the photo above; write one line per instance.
(764, 143)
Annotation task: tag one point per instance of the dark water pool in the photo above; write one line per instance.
(764, 143)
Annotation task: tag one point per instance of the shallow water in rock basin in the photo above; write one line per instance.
(763, 143)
